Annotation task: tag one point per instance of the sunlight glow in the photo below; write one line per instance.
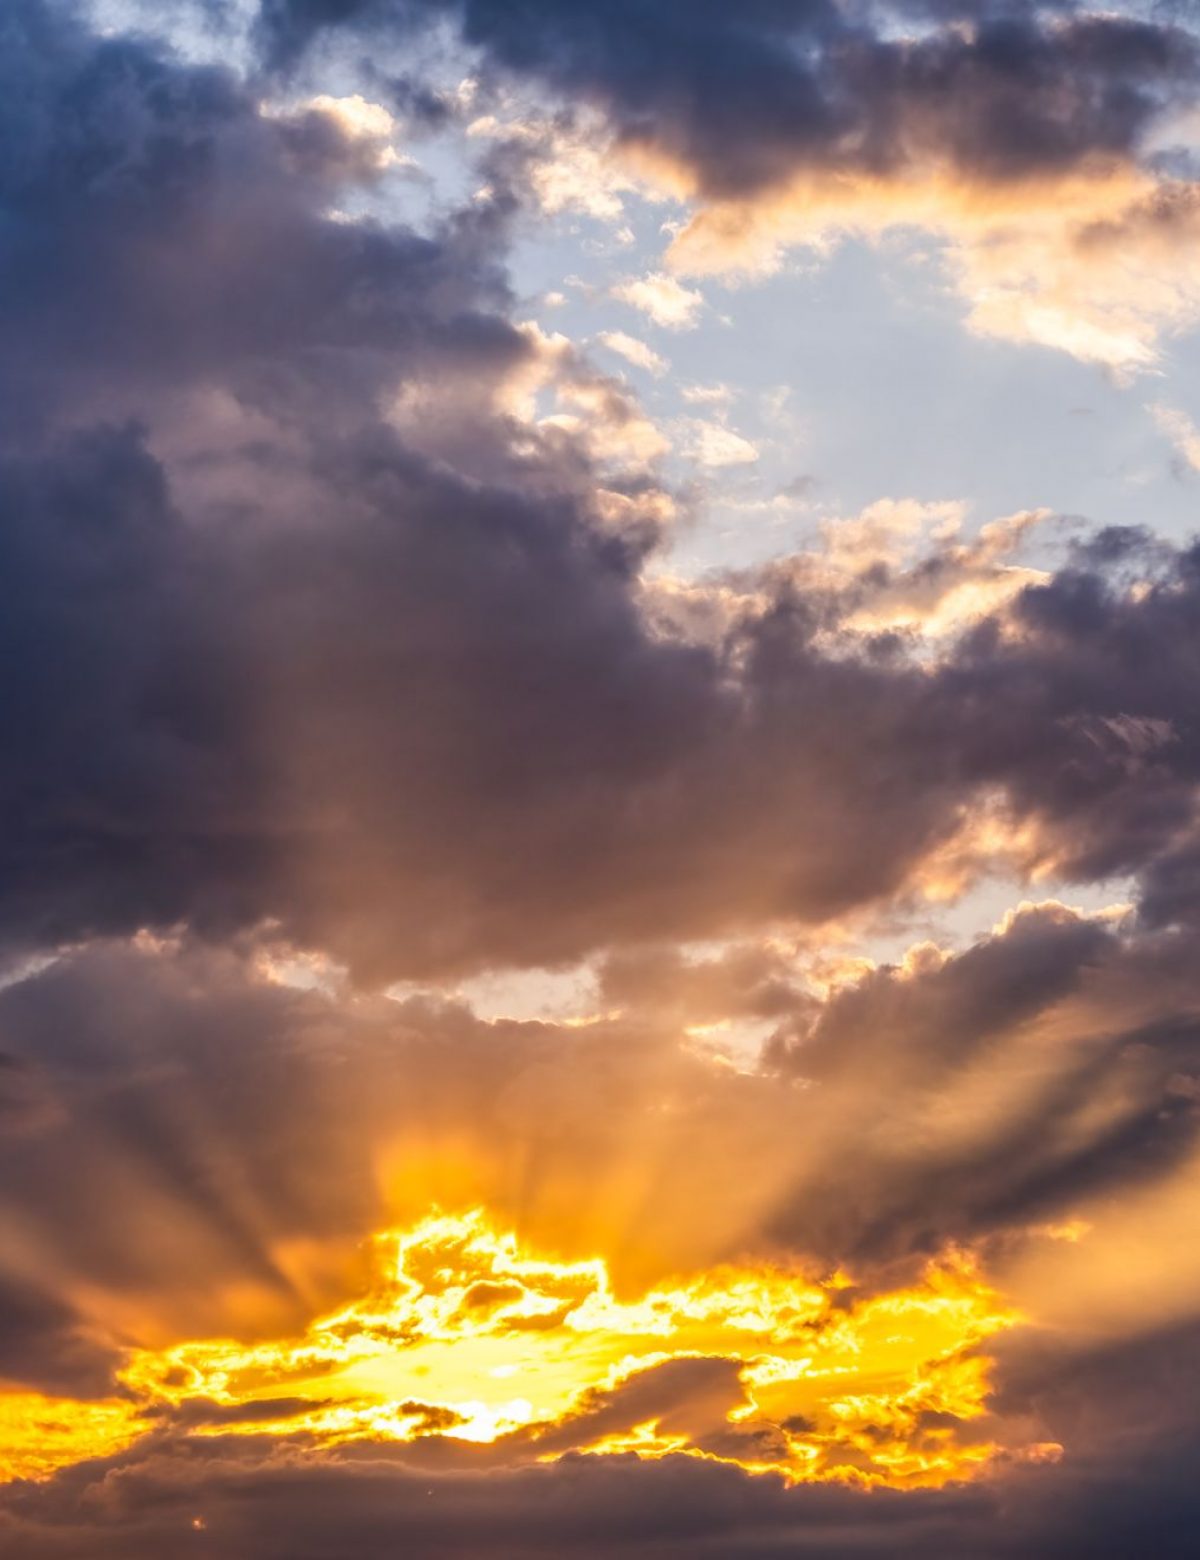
(465, 1336)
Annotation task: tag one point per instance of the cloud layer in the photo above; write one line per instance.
(351, 663)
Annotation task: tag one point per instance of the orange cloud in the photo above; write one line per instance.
(468, 1336)
(1096, 262)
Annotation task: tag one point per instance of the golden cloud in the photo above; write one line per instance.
(1096, 263)
(466, 1335)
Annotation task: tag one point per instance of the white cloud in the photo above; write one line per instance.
(569, 169)
(665, 300)
(634, 351)
(369, 125)
(1098, 263)
(1181, 430)
(707, 395)
(713, 444)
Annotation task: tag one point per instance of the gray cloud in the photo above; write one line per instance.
(914, 1067)
(275, 657)
(746, 99)
(1119, 1498)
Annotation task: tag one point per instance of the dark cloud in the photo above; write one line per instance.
(233, 1499)
(1171, 886)
(386, 682)
(1127, 1410)
(1080, 1023)
(46, 1345)
(163, 237)
(745, 98)
(585, 1506)
(749, 981)
(451, 688)
(690, 1397)
(293, 662)
(206, 1121)
(1087, 724)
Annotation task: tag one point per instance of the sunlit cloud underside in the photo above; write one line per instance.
(467, 1337)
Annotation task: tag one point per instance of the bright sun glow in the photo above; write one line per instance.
(466, 1336)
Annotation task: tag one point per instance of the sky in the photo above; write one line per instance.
(600, 760)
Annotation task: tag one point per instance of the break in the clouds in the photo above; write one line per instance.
(569, 988)
(1050, 150)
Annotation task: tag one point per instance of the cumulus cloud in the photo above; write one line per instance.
(634, 351)
(716, 444)
(334, 713)
(1182, 432)
(663, 298)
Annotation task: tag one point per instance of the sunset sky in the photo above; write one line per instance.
(600, 709)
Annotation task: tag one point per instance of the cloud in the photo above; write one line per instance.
(634, 351)
(1047, 151)
(715, 444)
(714, 1365)
(344, 138)
(237, 1495)
(234, 735)
(564, 163)
(234, 1137)
(256, 1508)
(304, 655)
(905, 566)
(46, 1345)
(706, 395)
(1181, 431)
(665, 300)
(341, 648)
(209, 1121)
(999, 92)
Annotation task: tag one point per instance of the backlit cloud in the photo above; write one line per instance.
(566, 989)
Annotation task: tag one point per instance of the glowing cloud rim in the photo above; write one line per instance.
(469, 1341)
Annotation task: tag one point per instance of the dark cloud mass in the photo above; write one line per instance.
(334, 674)
(604, 1508)
(269, 660)
(246, 718)
(743, 97)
